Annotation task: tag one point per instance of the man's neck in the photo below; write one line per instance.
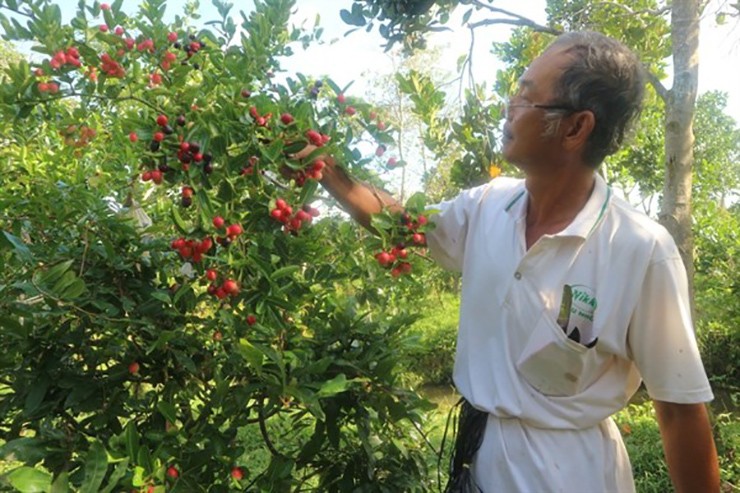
(556, 199)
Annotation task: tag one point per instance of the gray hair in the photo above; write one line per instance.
(605, 78)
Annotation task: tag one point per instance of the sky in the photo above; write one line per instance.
(719, 67)
(359, 55)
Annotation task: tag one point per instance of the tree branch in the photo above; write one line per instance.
(662, 90)
(517, 22)
(263, 430)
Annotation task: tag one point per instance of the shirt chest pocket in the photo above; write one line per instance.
(556, 365)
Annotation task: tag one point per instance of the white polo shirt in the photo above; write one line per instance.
(629, 304)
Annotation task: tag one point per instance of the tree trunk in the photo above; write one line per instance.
(675, 212)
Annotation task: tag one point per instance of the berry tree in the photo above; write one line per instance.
(170, 277)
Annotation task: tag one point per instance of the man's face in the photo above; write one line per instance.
(524, 143)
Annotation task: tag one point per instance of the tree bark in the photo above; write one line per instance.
(675, 212)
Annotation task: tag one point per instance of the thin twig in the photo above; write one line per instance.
(517, 22)
(263, 430)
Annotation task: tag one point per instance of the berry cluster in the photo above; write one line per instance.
(394, 260)
(75, 136)
(228, 287)
(312, 171)
(232, 231)
(192, 249)
(293, 222)
(259, 120)
(69, 57)
(317, 138)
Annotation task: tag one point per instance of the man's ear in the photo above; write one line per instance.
(579, 128)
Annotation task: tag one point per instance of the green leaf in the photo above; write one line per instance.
(55, 273)
(178, 221)
(118, 473)
(74, 290)
(167, 410)
(20, 248)
(251, 354)
(284, 271)
(334, 386)
(60, 484)
(96, 465)
(27, 449)
(131, 437)
(35, 396)
(29, 480)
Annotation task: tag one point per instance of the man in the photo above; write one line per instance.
(569, 296)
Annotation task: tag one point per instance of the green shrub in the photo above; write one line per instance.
(720, 348)
(432, 355)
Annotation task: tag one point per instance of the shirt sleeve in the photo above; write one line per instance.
(452, 218)
(661, 336)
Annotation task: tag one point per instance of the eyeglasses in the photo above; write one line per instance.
(559, 107)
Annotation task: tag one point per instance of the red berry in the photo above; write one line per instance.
(341, 98)
(162, 120)
(237, 473)
(303, 216)
(198, 157)
(419, 238)
(384, 258)
(281, 204)
(172, 37)
(103, 28)
(234, 230)
(286, 118)
(230, 287)
(211, 275)
(217, 336)
(119, 31)
(251, 320)
(392, 162)
(277, 214)
(314, 138)
(350, 110)
(133, 137)
(381, 126)
(187, 191)
(205, 245)
(133, 368)
(246, 93)
(380, 150)
(104, 6)
(218, 222)
(318, 165)
(158, 136)
(157, 176)
(172, 472)
(422, 220)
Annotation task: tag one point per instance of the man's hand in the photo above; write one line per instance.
(689, 447)
(360, 200)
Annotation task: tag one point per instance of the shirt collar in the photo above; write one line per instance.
(587, 219)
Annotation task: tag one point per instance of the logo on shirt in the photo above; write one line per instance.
(582, 308)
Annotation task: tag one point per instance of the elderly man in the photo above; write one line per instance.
(570, 298)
